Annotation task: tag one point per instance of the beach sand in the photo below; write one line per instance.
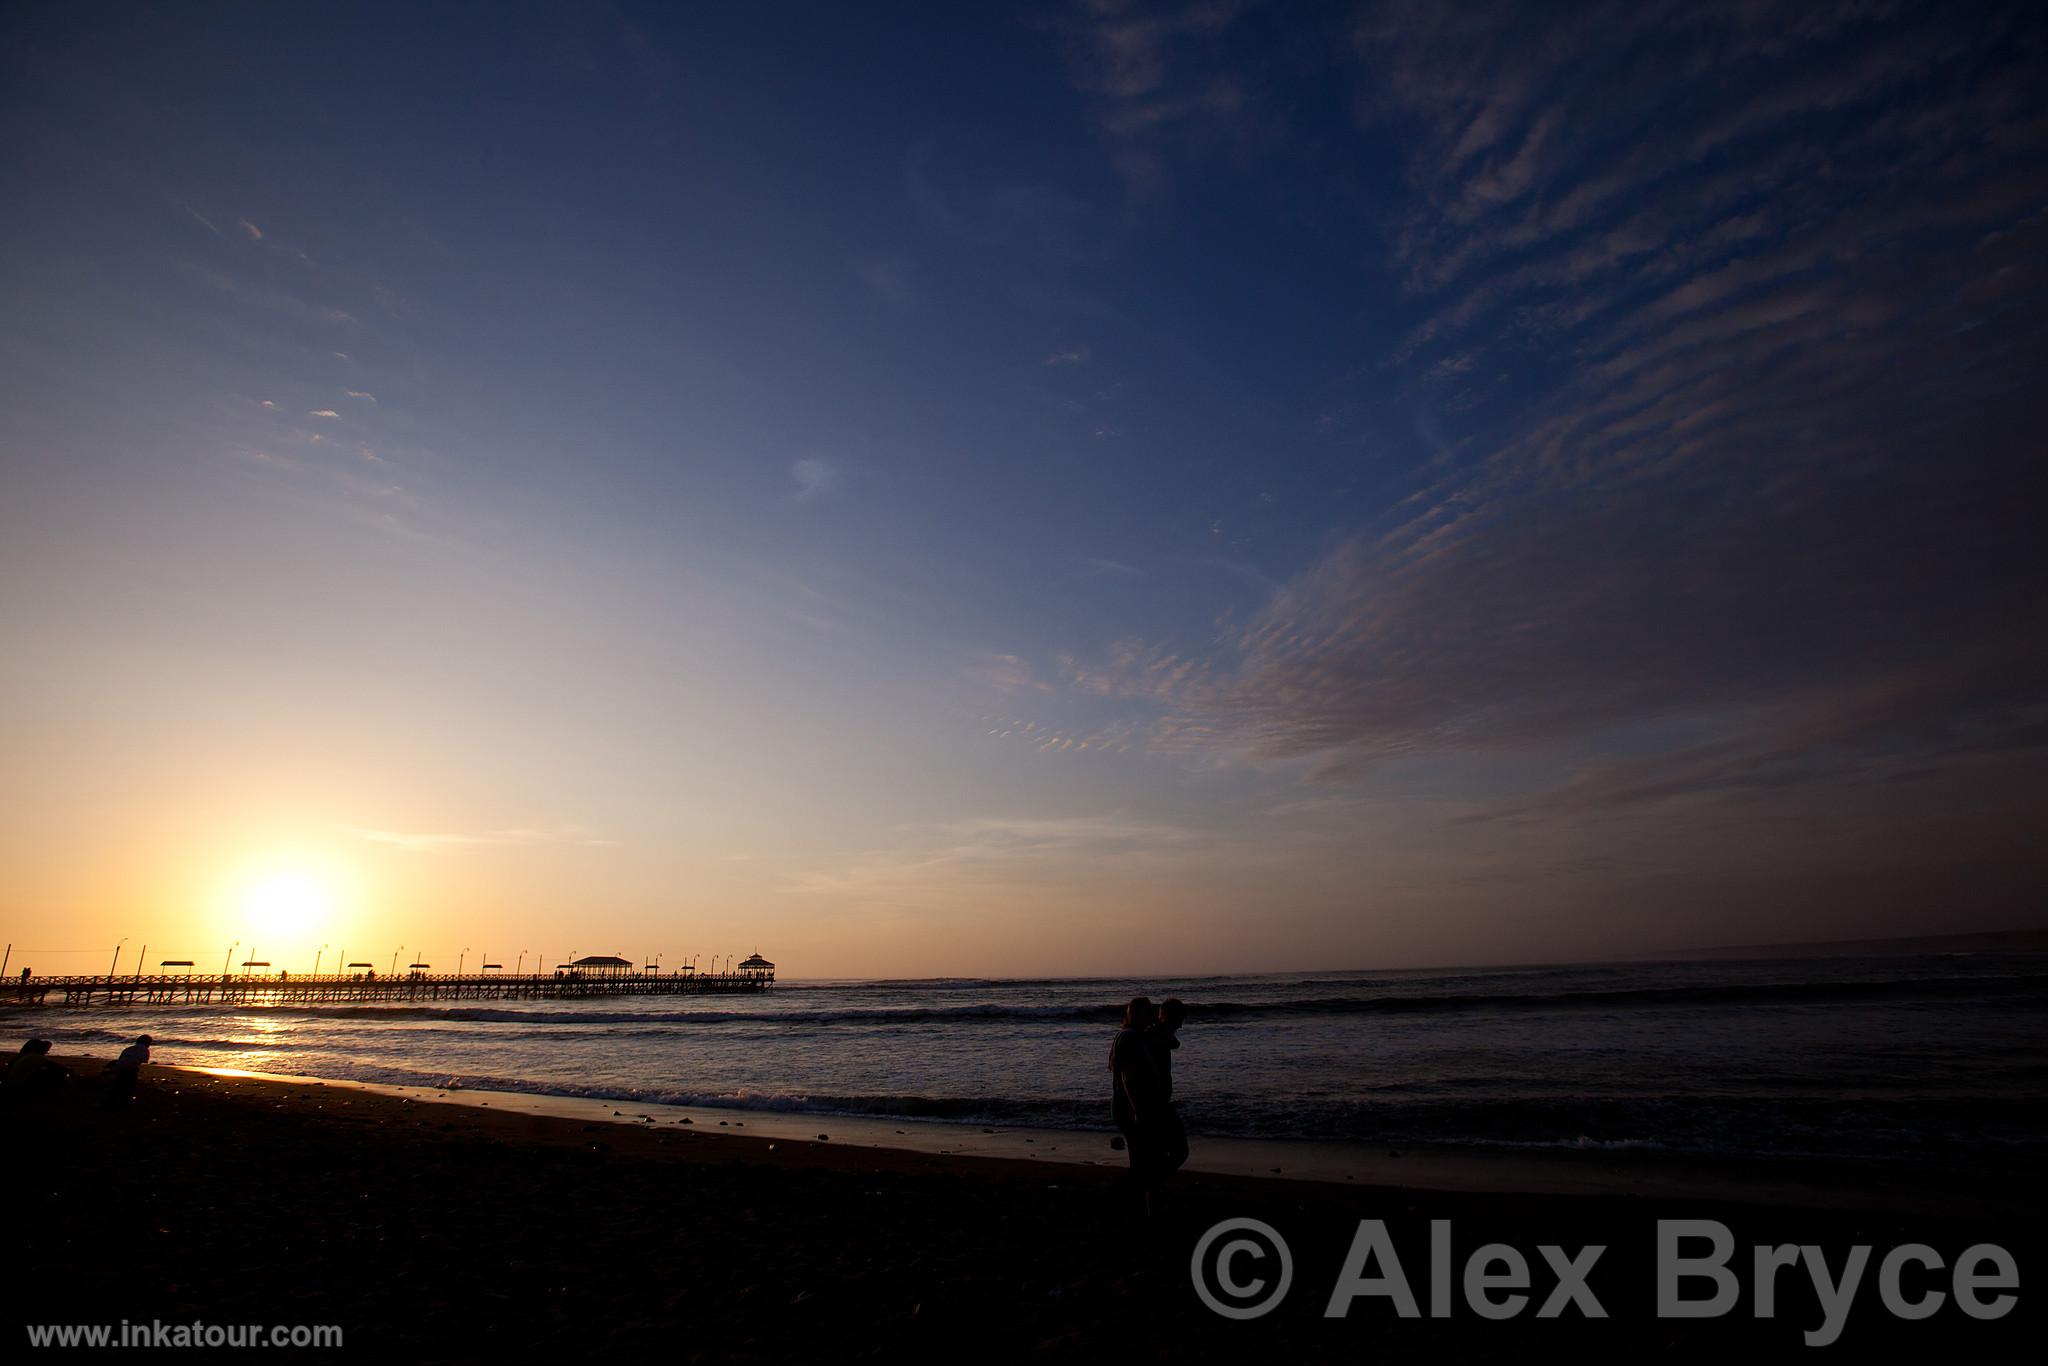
(474, 1227)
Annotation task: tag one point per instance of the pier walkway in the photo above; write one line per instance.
(363, 988)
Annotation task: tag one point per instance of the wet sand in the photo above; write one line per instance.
(472, 1226)
(1631, 1171)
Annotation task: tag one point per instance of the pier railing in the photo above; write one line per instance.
(362, 988)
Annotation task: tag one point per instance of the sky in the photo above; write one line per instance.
(1016, 489)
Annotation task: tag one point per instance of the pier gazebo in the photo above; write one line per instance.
(603, 965)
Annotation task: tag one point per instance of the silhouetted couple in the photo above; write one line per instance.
(1141, 1094)
(34, 1074)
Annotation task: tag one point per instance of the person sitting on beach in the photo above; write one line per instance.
(1162, 1038)
(127, 1069)
(33, 1074)
(1136, 1098)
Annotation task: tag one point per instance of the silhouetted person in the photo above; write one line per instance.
(1137, 1099)
(33, 1074)
(127, 1069)
(1163, 1037)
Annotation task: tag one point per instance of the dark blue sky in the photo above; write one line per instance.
(1400, 482)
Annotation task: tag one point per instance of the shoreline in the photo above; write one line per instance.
(475, 1226)
(1638, 1173)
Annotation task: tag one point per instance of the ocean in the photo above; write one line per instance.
(1891, 1058)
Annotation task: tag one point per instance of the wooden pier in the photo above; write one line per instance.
(278, 989)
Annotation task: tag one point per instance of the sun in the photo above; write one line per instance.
(286, 905)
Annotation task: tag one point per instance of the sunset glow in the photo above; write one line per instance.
(289, 905)
(1257, 511)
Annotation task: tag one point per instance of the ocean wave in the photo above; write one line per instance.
(160, 1042)
(855, 1015)
(1902, 990)
(1989, 1127)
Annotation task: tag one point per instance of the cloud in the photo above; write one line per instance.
(1513, 130)
(1838, 614)
(1048, 738)
(201, 219)
(255, 233)
(1159, 91)
(1070, 355)
(1137, 669)
(1064, 832)
(263, 297)
(815, 477)
(434, 842)
(323, 412)
(1005, 673)
(357, 393)
(380, 502)
(1753, 516)
(997, 851)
